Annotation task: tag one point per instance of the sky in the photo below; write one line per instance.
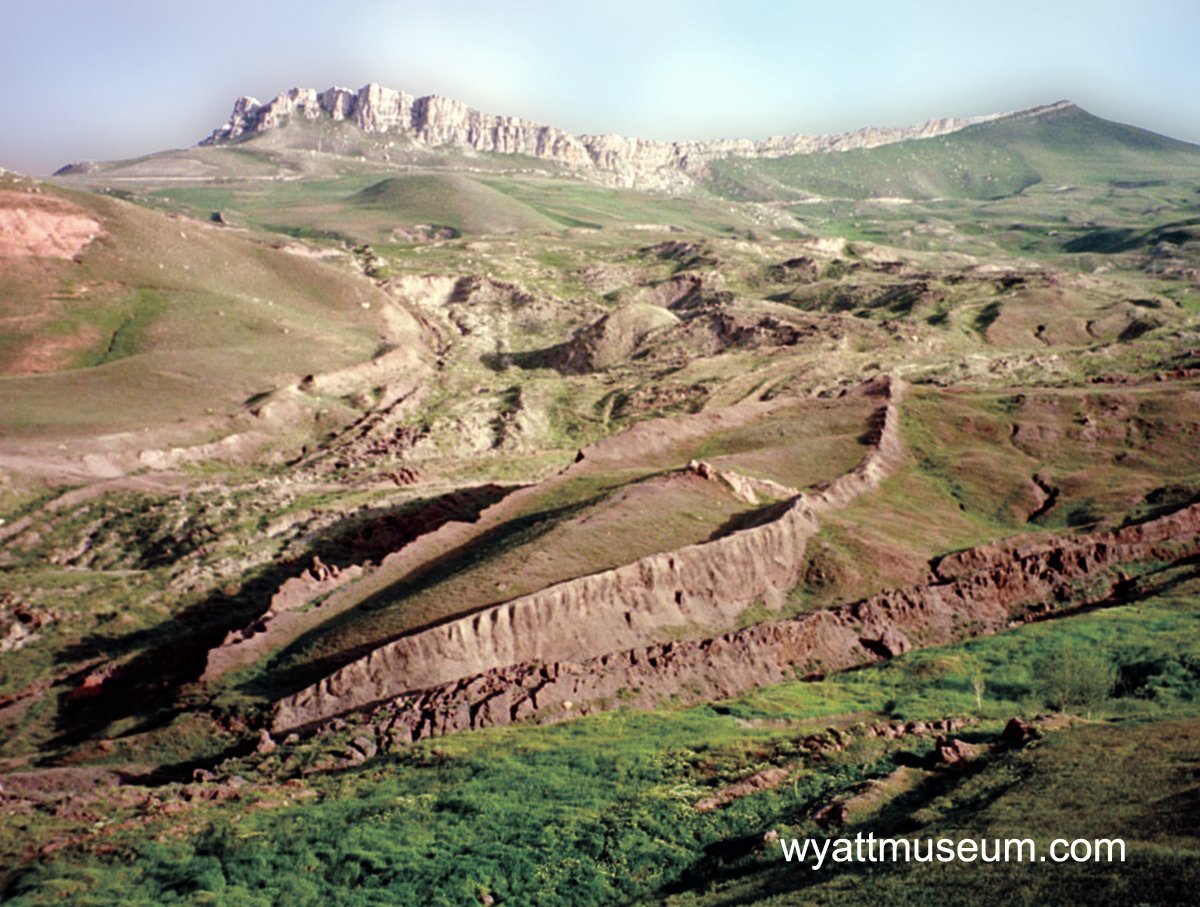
(102, 79)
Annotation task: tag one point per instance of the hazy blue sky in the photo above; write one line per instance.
(116, 78)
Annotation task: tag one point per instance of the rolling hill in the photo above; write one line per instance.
(157, 324)
(1058, 145)
(411, 504)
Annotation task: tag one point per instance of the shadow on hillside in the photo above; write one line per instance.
(290, 671)
(750, 519)
(566, 358)
(739, 859)
(174, 652)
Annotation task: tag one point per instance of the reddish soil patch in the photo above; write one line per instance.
(1002, 591)
(53, 354)
(35, 225)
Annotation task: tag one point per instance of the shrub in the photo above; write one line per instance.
(1074, 677)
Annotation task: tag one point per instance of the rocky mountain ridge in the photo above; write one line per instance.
(434, 122)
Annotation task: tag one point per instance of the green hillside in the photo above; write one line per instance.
(162, 319)
(269, 407)
(1066, 146)
(449, 199)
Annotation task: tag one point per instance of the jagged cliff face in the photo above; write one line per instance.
(436, 122)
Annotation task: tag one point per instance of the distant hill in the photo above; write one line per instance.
(118, 317)
(1060, 144)
(449, 200)
(399, 123)
(305, 134)
(376, 166)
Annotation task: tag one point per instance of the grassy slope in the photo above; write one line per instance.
(986, 161)
(968, 481)
(363, 207)
(1130, 777)
(575, 203)
(450, 199)
(304, 179)
(600, 810)
(368, 204)
(165, 318)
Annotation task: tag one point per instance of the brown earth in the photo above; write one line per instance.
(1002, 593)
(706, 585)
(303, 600)
(303, 604)
(41, 226)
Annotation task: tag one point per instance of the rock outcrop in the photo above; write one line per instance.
(435, 122)
(684, 591)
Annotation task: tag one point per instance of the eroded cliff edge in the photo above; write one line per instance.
(434, 121)
(1002, 591)
(686, 591)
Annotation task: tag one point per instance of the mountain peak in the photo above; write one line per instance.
(433, 121)
(1043, 110)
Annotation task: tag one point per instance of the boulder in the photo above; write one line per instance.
(1017, 733)
(948, 752)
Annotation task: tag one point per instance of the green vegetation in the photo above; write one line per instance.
(970, 482)
(375, 204)
(197, 410)
(601, 810)
(449, 199)
(129, 337)
(986, 161)
(1076, 680)
(226, 319)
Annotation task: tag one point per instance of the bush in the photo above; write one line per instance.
(1074, 677)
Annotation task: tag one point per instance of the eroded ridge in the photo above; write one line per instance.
(293, 610)
(310, 597)
(998, 594)
(707, 585)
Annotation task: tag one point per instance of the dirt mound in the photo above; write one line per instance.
(611, 340)
(702, 585)
(33, 225)
(685, 254)
(1001, 594)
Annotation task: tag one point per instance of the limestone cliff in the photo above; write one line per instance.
(436, 122)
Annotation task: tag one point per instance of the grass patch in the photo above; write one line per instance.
(600, 810)
(128, 338)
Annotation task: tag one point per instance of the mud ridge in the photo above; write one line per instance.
(302, 599)
(705, 585)
(294, 616)
(999, 595)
